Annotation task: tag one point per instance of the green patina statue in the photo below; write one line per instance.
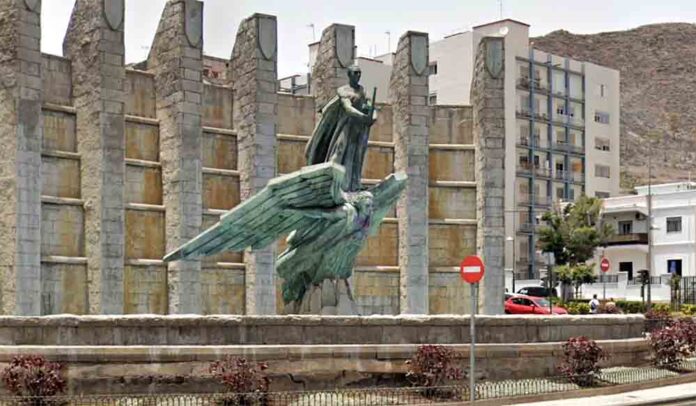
(322, 207)
(343, 130)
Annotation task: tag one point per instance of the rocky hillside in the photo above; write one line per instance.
(658, 92)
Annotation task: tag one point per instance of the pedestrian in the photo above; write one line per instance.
(594, 305)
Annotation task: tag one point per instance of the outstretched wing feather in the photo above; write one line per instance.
(263, 218)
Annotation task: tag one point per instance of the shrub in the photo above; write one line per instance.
(669, 346)
(630, 306)
(661, 308)
(687, 326)
(688, 309)
(432, 365)
(247, 382)
(581, 358)
(34, 376)
(577, 308)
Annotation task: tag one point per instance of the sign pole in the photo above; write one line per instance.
(472, 347)
(471, 270)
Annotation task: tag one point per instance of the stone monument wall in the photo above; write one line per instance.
(200, 113)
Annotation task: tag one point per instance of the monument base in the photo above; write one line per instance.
(332, 297)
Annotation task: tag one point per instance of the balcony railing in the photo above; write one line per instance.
(564, 146)
(560, 175)
(526, 227)
(542, 172)
(628, 238)
(536, 84)
(542, 200)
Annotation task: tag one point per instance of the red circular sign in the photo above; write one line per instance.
(471, 269)
(604, 265)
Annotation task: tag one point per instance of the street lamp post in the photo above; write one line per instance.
(650, 221)
(512, 240)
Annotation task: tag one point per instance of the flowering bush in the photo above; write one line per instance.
(432, 365)
(669, 345)
(581, 358)
(33, 376)
(246, 381)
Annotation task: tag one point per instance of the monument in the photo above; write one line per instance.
(323, 208)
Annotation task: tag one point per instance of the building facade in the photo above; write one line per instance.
(562, 129)
(673, 247)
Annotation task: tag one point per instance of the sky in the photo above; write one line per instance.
(372, 19)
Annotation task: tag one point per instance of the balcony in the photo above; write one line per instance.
(524, 112)
(628, 239)
(567, 147)
(542, 200)
(542, 172)
(537, 85)
(526, 228)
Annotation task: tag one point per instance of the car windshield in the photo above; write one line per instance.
(542, 302)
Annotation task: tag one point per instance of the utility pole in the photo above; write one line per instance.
(314, 36)
(650, 221)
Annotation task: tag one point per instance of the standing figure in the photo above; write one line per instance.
(343, 130)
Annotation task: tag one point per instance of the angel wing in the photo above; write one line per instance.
(274, 211)
(386, 193)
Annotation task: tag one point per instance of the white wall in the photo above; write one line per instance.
(454, 57)
(375, 74)
(609, 103)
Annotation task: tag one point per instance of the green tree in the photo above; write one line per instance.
(572, 233)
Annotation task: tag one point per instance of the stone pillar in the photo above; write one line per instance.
(488, 101)
(254, 74)
(20, 149)
(176, 59)
(336, 53)
(408, 92)
(94, 44)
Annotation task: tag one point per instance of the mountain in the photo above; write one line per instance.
(658, 93)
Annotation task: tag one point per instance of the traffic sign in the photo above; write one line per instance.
(604, 265)
(471, 269)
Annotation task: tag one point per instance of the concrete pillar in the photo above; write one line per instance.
(20, 149)
(408, 92)
(176, 59)
(254, 74)
(336, 53)
(488, 102)
(94, 44)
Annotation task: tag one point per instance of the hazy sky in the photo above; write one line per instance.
(372, 18)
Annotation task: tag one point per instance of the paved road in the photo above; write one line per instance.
(675, 395)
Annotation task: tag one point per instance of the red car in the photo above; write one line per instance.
(530, 305)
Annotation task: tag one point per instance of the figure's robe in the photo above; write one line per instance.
(341, 137)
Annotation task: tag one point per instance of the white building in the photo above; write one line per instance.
(673, 231)
(562, 127)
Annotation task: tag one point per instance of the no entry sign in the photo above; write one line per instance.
(471, 269)
(604, 265)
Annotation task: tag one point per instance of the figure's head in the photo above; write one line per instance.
(354, 74)
(363, 202)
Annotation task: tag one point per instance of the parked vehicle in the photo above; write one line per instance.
(530, 305)
(537, 291)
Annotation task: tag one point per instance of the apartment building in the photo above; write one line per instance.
(673, 231)
(562, 128)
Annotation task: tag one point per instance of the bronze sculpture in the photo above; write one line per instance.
(321, 206)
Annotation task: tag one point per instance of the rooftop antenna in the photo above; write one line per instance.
(500, 4)
(314, 36)
(388, 41)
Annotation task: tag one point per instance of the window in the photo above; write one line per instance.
(674, 266)
(602, 91)
(560, 110)
(560, 193)
(602, 144)
(432, 99)
(625, 227)
(601, 195)
(674, 224)
(571, 195)
(432, 68)
(601, 171)
(628, 268)
(600, 117)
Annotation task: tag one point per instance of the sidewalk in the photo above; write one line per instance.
(655, 396)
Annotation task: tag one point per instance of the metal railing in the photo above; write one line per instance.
(378, 395)
(607, 278)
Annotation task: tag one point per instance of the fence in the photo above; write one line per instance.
(684, 290)
(375, 396)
